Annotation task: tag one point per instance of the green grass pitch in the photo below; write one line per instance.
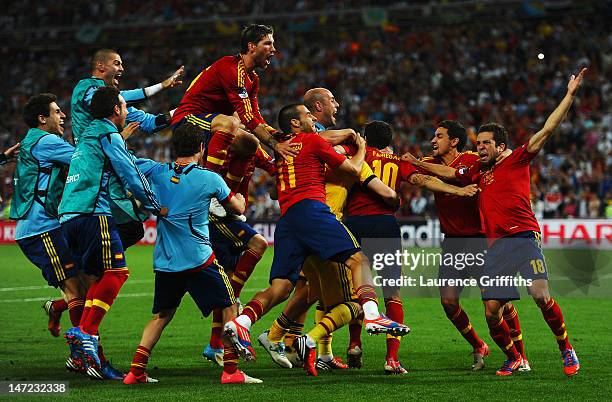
(437, 358)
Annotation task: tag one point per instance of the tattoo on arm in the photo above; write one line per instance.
(419, 179)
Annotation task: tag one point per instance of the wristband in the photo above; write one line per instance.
(152, 90)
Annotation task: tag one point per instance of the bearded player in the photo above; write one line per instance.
(460, 223)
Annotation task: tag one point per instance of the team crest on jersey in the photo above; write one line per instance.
(488, 178)
(175, 179)
(242, 92)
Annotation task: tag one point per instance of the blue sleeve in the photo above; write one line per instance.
(89, 94)
(53, 149)
(131, 177)
(219, 188)
(132, 96)
(147, 166)
(149, 123)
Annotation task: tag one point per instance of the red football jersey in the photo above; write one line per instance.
(225, 87)
(260, 160)
(389, 168)
(505, 190)
(303, 177)
(458, 216)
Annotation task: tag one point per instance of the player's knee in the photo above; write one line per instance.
(227, 124)
(493, 312)
(164, 316)
(258, 244)
(449, 304)
(541, 299)
(282, 289)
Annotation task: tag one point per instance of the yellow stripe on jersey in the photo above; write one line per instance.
(195, 79)
(241, 74)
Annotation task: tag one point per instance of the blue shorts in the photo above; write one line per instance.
(379, 234)
(229, 238)
(373, 227)
(202, 120)
(208, 287)
(308, 227)
(521, 252)
(49, 251)
(95, 243)
(455, 261)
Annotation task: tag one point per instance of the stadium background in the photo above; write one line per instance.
(408, 63)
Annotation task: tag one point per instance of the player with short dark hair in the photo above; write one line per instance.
(237, 245)
(513, 233)
(230, 85)
(460, 222)
(43, 160)
(106, 69)
(87, 221)
(184, 261)
(368, 217)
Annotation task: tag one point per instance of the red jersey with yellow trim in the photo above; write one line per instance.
(504, 201)
(458, 216)
(262, 160)
(389, 168)
(303, 177)
(224, 87)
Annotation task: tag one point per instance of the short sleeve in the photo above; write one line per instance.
(520, 156)
(219, 188)
(468, 175)
(327, 153)
(366, 172)
(407, 169)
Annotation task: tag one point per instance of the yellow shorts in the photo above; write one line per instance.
(329, 282)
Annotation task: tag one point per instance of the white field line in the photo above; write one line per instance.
(128, 282)
(39, 299)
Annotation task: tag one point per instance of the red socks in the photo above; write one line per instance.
(235, 171)
(216, 154)
(244, 268)
(140, 360)
(395, 312)
(461, 321)
(355, 328)
(253, 310)
(501, 335)
(554, 318)
(511, 317)
(216, 333)
(101, 296)
(366, 293)
(230, 359)
(75, 309)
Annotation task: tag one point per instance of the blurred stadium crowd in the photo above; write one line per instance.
(378, 65)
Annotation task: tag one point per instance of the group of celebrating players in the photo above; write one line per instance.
(78, 207)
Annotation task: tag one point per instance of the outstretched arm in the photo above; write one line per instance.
(336, 137)
(389, 196)
(537, 141)
(435, 184)
(9, 154)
